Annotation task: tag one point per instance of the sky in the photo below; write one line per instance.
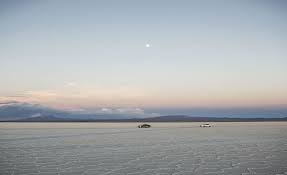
(104, 53)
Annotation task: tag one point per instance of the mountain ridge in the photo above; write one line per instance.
(24, 112)
(166, 118)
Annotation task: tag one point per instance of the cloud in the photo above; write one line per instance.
(16, 96)
(8, 102)
(73, 96)
(76, 103)
(106, 110)
(136, 112)
(41, 94)
(121, 110)
(71, 84)
(130, 110)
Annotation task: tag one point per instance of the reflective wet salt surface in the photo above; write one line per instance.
(121, 148)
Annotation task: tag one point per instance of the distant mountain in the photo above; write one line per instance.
(169, 118)
(42, 118)
(20, 111)
(25, 110)
(33, 112)
(228, 112)
(183, 118)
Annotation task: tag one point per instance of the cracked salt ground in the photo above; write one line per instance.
(123, 149)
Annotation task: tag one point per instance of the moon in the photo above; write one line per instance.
(147, 45)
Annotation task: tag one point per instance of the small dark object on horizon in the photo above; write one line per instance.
(144, 126)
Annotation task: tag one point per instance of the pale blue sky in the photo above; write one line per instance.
(203, 53)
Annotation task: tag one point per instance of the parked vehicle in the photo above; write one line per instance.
(205, 125)
(144, 126)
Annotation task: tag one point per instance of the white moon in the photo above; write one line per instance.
(147, 45)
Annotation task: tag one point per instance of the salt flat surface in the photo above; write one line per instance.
(121, 148)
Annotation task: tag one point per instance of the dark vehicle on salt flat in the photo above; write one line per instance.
(144, 126)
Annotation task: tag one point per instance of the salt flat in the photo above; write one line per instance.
(122, 148)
